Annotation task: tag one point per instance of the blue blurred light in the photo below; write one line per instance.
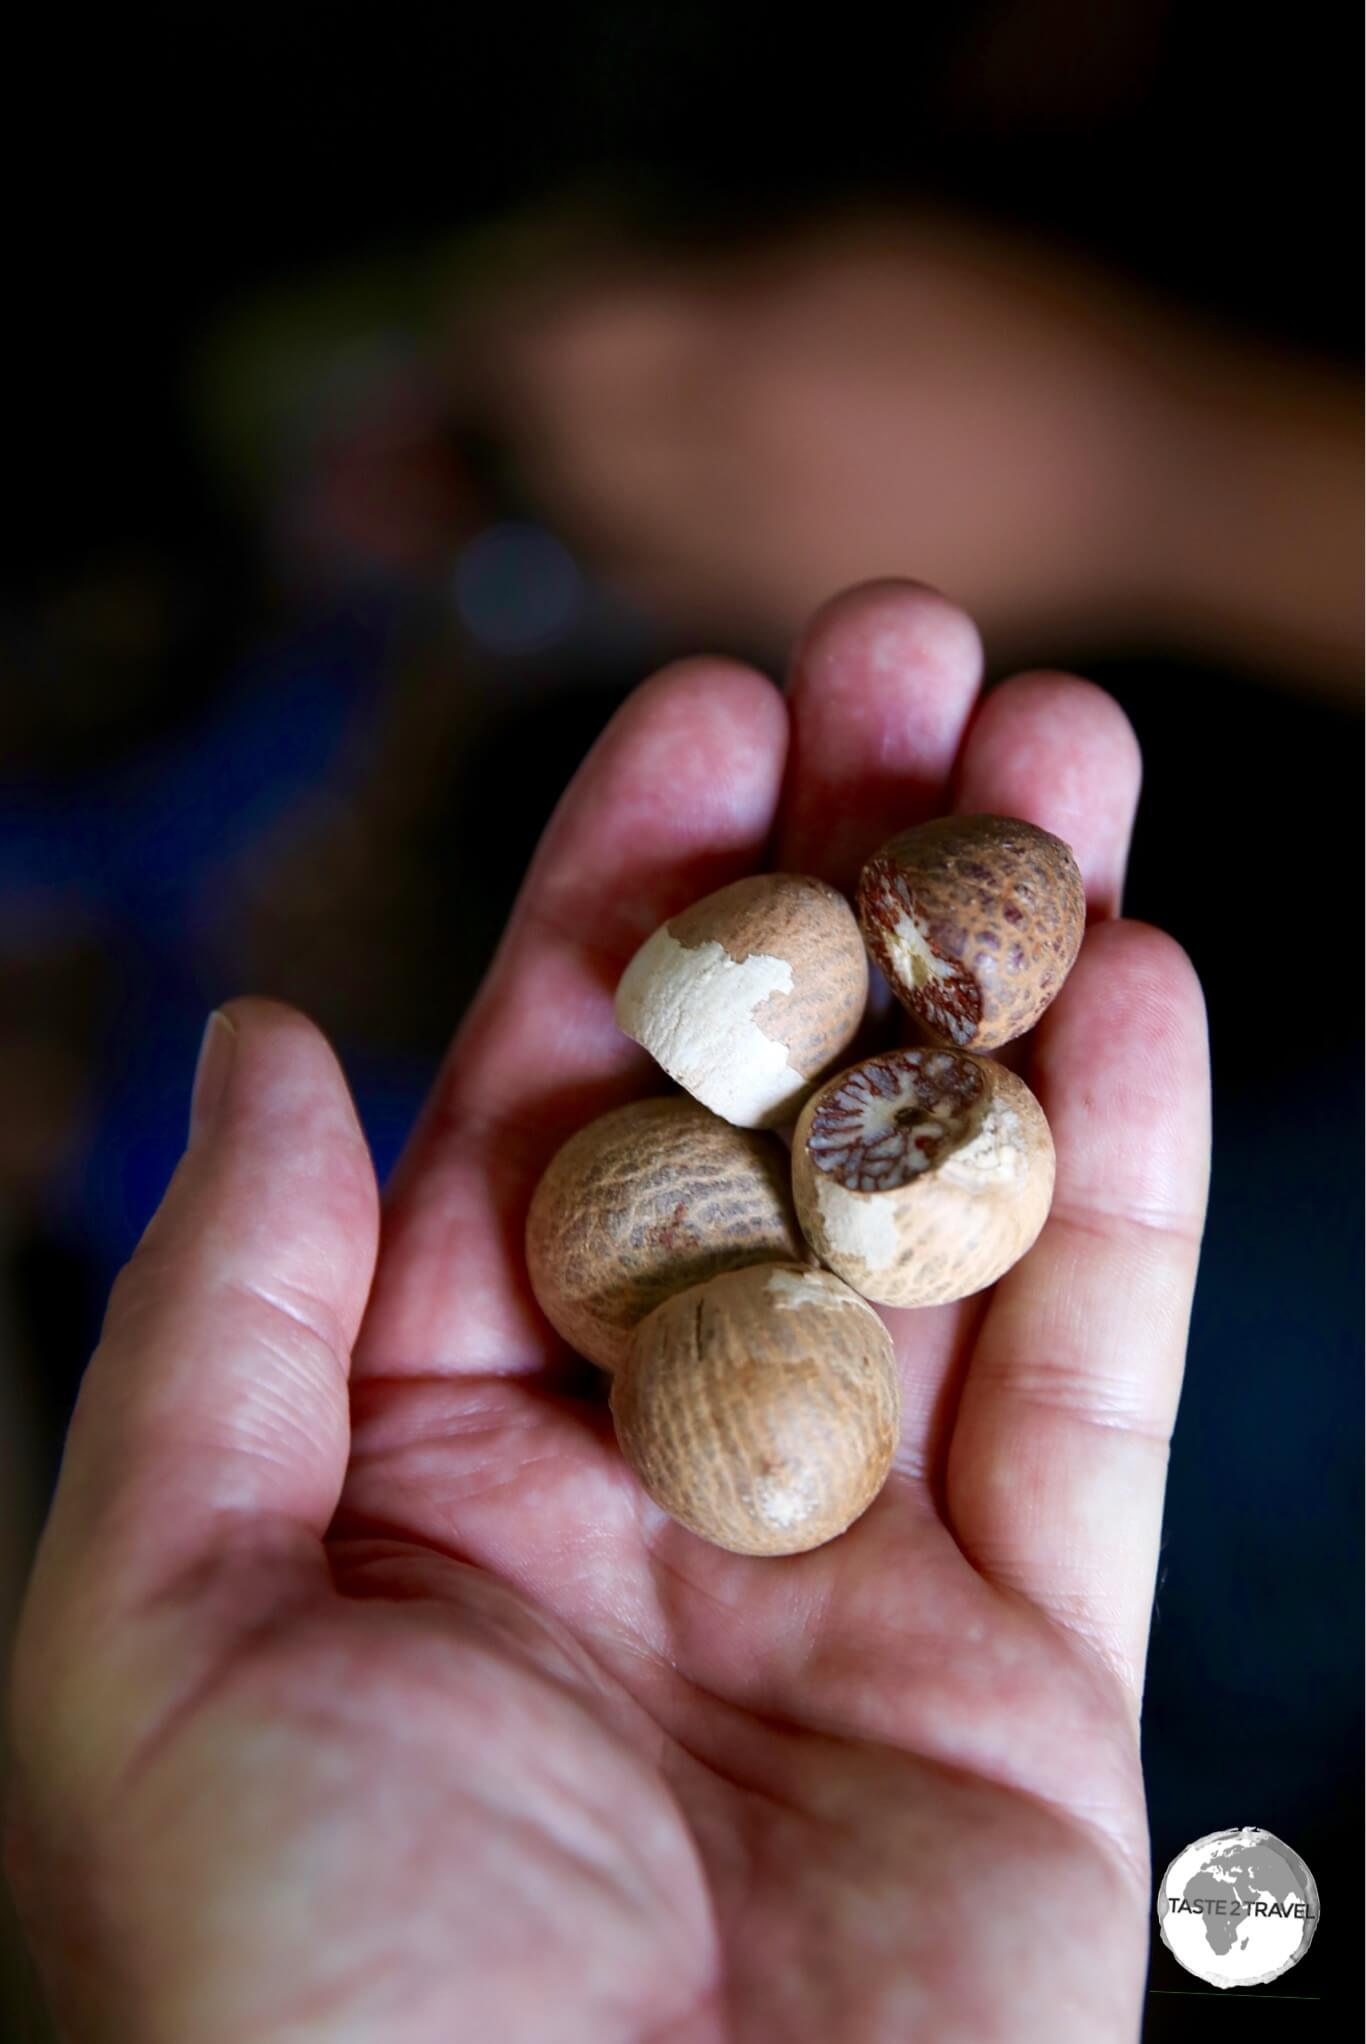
(517, 588)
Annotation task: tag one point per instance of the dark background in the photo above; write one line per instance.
(173, 167)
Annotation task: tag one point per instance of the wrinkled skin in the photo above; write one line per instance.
(360, 1691)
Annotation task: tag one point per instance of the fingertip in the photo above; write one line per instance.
(282, 1141)
(1129, 968)
(1121, 1065)
(707, 699)
(718, 686)
(882, 682)
(1146, 943)
(1059, 752)
(676, 798)
(284, 1068)
(1079, 708)
(888, 625)
(1138, 1000)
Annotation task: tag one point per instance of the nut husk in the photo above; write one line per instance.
(749, 995)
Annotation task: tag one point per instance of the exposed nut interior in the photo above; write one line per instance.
(894, 1117)
(939, 988)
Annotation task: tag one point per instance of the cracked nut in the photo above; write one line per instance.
(975, 921)
(922, 1175)
(749, 995)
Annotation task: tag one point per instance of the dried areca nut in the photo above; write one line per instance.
(922, 1175)
(761, 1410)
(644, 1202)
(976, 921)
(749, 995)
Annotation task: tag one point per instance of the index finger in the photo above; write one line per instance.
(884, 679)
(676, 798)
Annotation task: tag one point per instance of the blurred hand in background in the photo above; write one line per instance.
(732, 432)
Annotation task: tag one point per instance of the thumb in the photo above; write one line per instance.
(212, 1423)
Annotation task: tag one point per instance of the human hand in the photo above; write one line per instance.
(720, 432)
(400, 1713)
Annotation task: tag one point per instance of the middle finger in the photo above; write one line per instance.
(884, 679)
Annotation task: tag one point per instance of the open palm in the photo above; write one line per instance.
(405, 1715)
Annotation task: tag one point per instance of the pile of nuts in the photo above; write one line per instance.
(726, 1285)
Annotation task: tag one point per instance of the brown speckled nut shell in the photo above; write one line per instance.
(975, 921)
(645, 1201)
(761, 1410)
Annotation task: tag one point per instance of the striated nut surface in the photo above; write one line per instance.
(761, 1410)
(645, 1201)
(923, 1175)
(749, 995)
(975, 921)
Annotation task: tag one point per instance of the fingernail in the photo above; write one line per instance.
(211, 1074)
